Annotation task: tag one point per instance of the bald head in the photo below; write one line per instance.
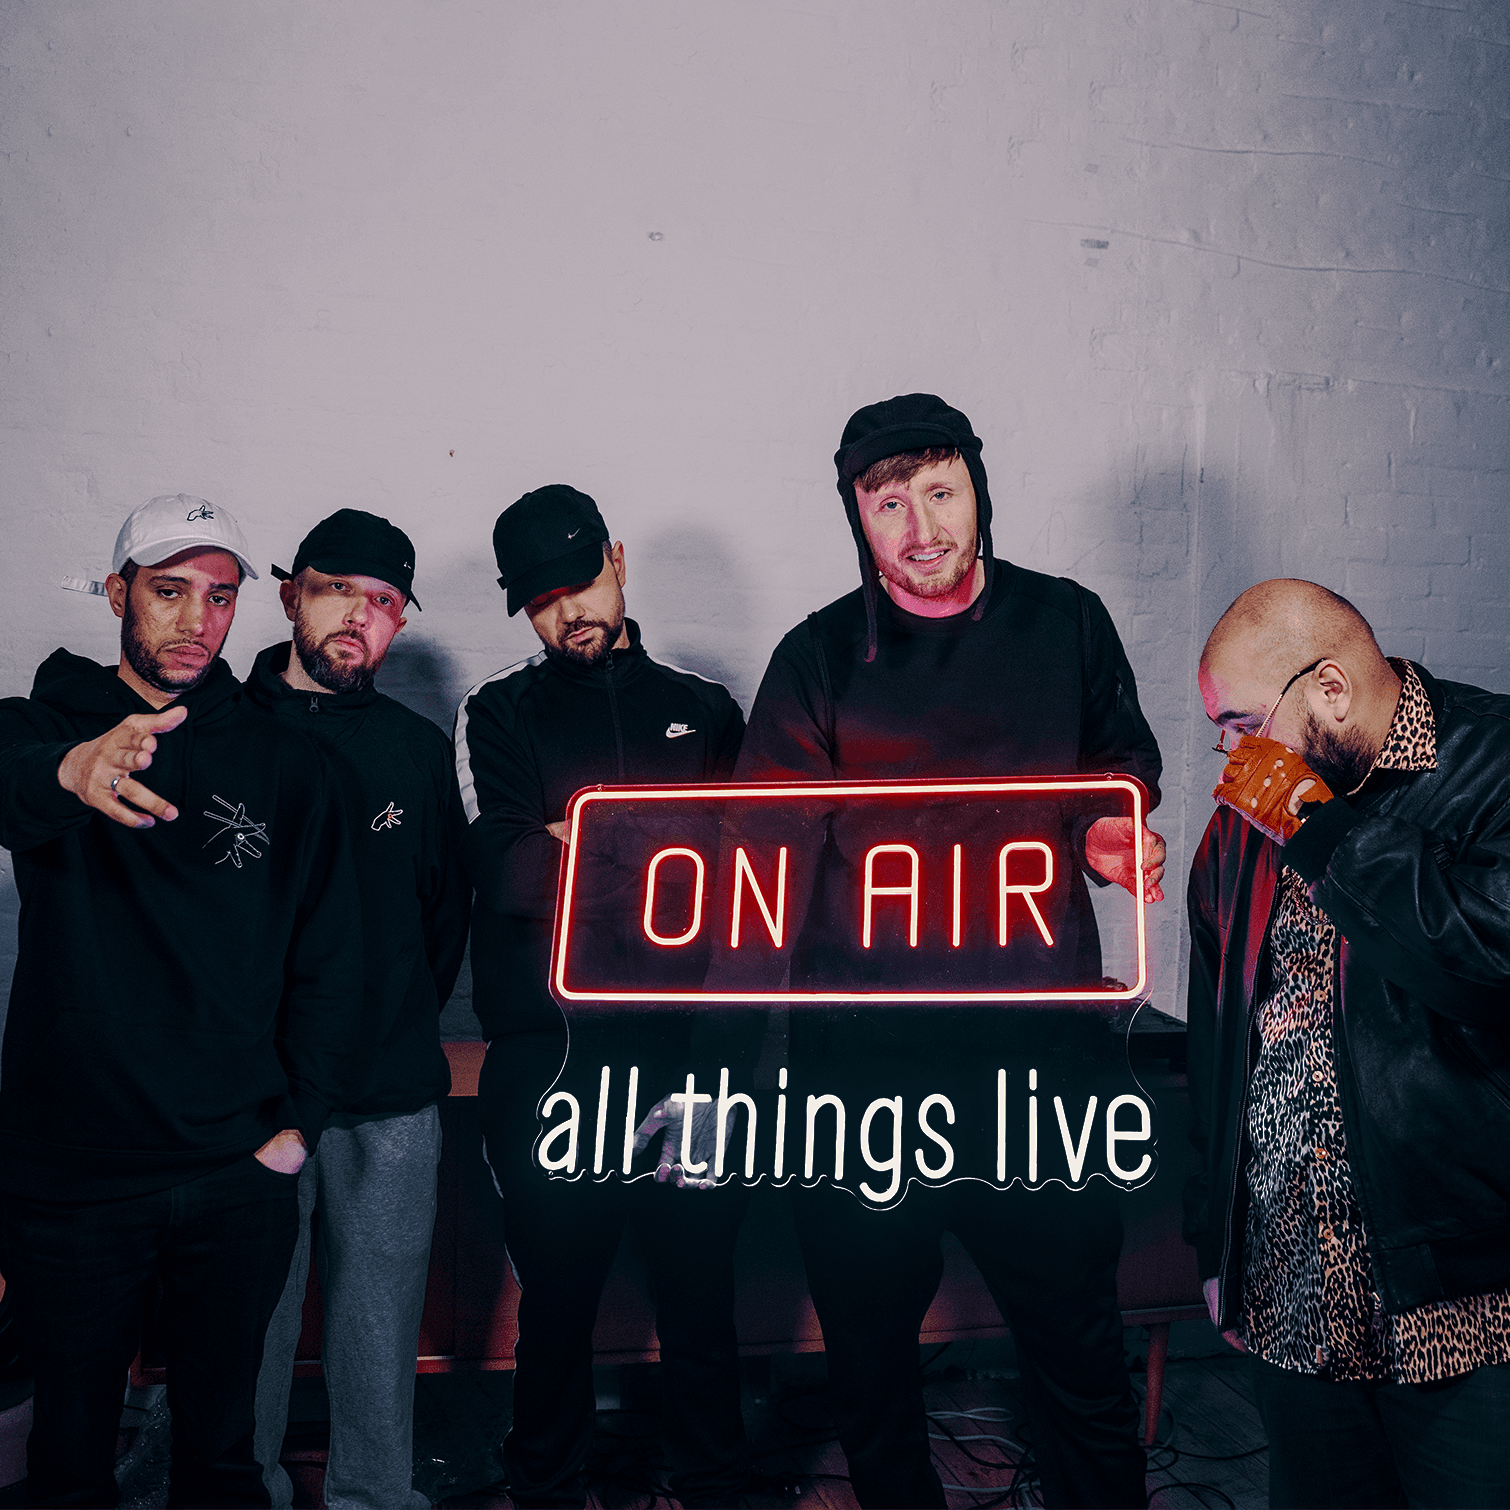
(1287, 623)
(1343, 703)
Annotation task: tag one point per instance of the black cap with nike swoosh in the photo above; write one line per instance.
(552, 537)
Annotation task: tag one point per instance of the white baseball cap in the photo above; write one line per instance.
(166, 525)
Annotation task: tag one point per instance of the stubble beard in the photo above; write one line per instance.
(595, 651)
(143, 659)
(932, 586)
(320, 666)
(1342, 760)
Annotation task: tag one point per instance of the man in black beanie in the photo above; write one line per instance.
(591, 707)
(967, 666)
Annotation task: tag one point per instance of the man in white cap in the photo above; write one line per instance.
(186, 991)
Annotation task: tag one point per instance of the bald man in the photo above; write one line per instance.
(1350, 1056)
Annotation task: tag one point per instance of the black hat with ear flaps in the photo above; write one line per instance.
(910, 422)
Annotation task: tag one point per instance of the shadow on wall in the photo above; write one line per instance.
(423, 676)
(694, 601)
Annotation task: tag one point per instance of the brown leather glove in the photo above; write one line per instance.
(1257, 783)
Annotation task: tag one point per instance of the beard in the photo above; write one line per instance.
(335, 674)
(1342, 760)
(934, 585)
(595, 651)
(144, 659)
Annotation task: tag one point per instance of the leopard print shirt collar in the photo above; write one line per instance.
(1411, 742)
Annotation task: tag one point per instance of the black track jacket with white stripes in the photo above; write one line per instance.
(529, 738)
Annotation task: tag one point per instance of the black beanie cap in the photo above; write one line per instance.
(909, 422)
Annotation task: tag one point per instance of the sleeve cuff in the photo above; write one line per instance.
(1077, 848)
(310, 1117)
(49, 804)
(1310, 851)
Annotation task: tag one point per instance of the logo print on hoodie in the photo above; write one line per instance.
(388, 818)
(242, 830)
(204, 511)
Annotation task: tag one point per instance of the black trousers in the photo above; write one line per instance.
(83, 1276)
(561, 1237)
(1376, 1445)
(1049, 1258)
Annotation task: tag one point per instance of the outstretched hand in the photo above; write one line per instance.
(1109, 852)
(686, 1167)
(100, 772)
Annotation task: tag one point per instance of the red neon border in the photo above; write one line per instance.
(802, 789)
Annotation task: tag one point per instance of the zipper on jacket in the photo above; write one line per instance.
(1242, 1114)
(613, 712)
(1237, 1174)
(314, 702)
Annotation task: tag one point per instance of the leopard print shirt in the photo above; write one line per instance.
(1309, 1301)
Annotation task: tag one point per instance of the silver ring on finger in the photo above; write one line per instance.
(115, 783)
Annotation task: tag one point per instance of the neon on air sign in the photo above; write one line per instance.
(944, 892)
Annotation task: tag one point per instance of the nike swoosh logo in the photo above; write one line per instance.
(575, 533)
(676, 731)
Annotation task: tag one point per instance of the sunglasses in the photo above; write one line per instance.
(1223, 748)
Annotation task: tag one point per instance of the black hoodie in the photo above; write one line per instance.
(395, 771)
(181, 992)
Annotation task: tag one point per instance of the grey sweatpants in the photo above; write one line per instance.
(374, 1187)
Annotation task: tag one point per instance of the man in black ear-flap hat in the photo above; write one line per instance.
(950, 662)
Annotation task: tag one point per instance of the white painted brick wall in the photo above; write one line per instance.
(1223, 287)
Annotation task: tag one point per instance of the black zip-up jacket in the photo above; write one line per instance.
(527, 740)
(181, 992)
(1415, 872)
(395, 772)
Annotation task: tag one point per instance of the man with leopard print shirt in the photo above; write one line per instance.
(1350, 1056)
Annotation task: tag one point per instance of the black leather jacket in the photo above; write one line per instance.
(1415, 872)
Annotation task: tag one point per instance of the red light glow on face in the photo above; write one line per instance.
(725, 867)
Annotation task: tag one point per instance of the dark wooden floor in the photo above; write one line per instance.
(1210, 1452)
